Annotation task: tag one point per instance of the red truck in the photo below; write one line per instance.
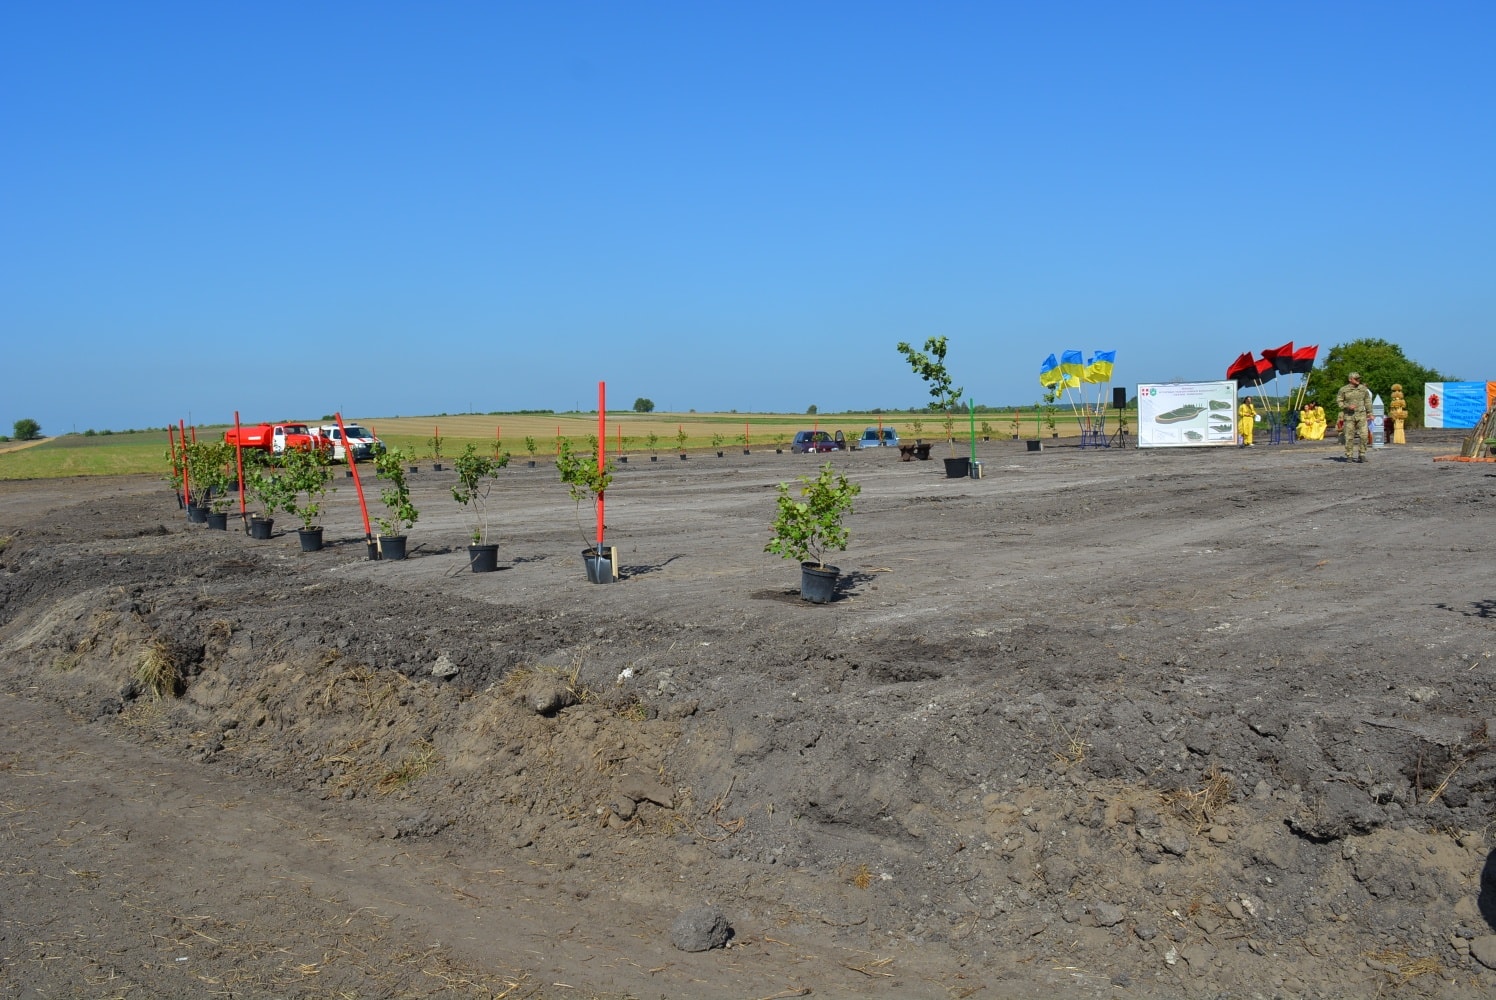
(276, 438)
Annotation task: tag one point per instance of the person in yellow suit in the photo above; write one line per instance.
(1312, 423)
(1246, 420)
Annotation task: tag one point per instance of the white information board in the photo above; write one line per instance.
(1186, 414)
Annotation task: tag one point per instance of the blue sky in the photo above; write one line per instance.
(292, 208)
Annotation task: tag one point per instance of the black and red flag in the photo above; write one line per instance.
(1254, 373)
(1281, 357)
(1303, 359)
(1243, 363)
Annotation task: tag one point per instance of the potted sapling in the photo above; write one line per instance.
(270, 490)
(435, 441)
(475, 476)
(623, 448)
(653, 440)
(395, 495)
(211, 462)
(929, 365)
(196, 475)
(806, 528)
(743, 439)
(530, 447)
(680, 442)
(717, 444)
(586, 478)
(306, 473)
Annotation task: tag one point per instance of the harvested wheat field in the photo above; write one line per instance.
(1102, 723)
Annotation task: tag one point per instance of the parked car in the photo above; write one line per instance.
(365, 445)
(815, 441)
(870, 438)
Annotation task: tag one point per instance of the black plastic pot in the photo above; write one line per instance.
(415, 468)
(957, 468)
(259, 527)
(436, 467)
(311, 538)
(483, 558)
(218, 520)
(719, 454)
(623, 460)
(682, 456)
(1035, 445)
(599, 568)
(817, 583)
(196, 513)
(392, 547)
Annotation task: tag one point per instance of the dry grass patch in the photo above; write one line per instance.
(1200, 805)
(422, 759)
(159, 670)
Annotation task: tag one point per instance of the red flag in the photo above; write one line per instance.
(1281, 357)
(1303, 359)
(1242, 363)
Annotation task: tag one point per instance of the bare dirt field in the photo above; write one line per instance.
(1206, 723)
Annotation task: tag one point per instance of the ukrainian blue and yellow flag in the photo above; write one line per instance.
(1049, 373)
(1073, 366)
(1099, 371)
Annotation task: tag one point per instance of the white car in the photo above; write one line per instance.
(362, 441)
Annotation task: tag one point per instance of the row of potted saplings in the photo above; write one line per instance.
(295, 482)
(804, 529)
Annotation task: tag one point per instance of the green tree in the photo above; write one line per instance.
(812, 410)
(1381, 365)
(642, 405)
(27, 429)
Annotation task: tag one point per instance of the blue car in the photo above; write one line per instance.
(870, 438)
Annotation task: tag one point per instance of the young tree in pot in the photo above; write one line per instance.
(203, 479)
(475, 474)
(680, 441)
(530, 446)
(218, 478)
(805, 529)
(717, 444)
(395, 496)
(270, 490)
(306, 472)
(586, 480)
(435, 441)
(653, 440)
(931, 367)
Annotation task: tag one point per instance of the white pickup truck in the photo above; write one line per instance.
(361, 441)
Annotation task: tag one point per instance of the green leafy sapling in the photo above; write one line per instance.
(929, 365)
(804, 529)
(475, 478)
(395, 495)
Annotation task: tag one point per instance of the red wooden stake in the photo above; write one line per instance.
(186, 485)
(239, 462)
(602, 447)
(353, 467)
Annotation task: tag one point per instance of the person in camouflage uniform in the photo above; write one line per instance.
(1354, 402)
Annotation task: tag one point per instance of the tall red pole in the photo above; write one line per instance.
(186, 485)
(171, 447)
(353, 467)
(239, 464)
(602, 448)
(745, 434)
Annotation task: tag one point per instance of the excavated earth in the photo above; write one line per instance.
(1194, 723)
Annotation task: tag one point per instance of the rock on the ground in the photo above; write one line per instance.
(700, 929)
